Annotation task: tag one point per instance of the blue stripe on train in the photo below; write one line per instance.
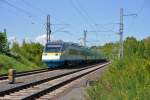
(54, 63)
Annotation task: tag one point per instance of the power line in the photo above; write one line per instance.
(142, 7)
(138, 13)
(45, 13)
(40, 10)
(24, 11)
(78, 11)
(81, 14)
(30, 15)
(17, 8)
(91, 20)
(14, 13)
(33, 6)
(102, 31)
(86, 13)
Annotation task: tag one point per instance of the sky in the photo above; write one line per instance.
(26, 19)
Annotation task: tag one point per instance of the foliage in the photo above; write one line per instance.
(27, 56)
(31, 51)
(22, 58)
(4, 47)
(130, 46)
(147, 48)
(127, 78)
(109, 50)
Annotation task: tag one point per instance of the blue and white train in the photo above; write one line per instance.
(60, 53)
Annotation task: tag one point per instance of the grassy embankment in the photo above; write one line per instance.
(19, 64)
(126, 79)
(21, 57)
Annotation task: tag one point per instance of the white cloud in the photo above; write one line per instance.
(12, 39)
(41, 39)
(27, 40)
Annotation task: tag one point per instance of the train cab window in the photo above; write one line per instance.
(53, 48)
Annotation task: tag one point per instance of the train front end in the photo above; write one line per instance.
(52, 55)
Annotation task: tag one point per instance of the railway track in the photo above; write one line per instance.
(37, 89)
(24, 73)
(18, 74)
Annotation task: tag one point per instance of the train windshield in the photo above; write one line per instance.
(53, 48)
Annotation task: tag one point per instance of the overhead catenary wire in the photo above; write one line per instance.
(11, 11)
(17, 8)
(30, 15)
(81, 14)
(35, 7)
(61, 23)
(138, 14)
(86, 14)
(89, 19)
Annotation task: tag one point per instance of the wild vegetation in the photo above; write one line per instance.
(31, 51)
(127, 78)
(24, 57)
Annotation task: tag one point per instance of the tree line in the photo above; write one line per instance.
(29, 50)
(132, 47)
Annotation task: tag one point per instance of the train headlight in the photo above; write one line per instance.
(45, 54)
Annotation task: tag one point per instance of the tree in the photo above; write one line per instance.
(4, 46)
(147, 47)
(130, 46)
(15, 47)
(109, 50)
(31, 51)
(140, 49)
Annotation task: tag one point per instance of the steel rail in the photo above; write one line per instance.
(55, 86)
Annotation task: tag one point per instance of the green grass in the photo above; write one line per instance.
(20, 64)
(126, 79)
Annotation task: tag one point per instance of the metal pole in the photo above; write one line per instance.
(121, 34)
(48, 29)
(5, 31)
(85, 32)
(121, 48)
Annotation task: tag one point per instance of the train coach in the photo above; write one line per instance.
(56, 54)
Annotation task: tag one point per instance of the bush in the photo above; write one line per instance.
(127, 79)
(30, 51)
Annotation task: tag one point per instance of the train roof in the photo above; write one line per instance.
(63, 43)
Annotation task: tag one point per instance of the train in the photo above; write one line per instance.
(59, 53)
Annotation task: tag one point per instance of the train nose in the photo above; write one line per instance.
(51, 56)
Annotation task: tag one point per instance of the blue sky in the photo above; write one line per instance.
(27, 18)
